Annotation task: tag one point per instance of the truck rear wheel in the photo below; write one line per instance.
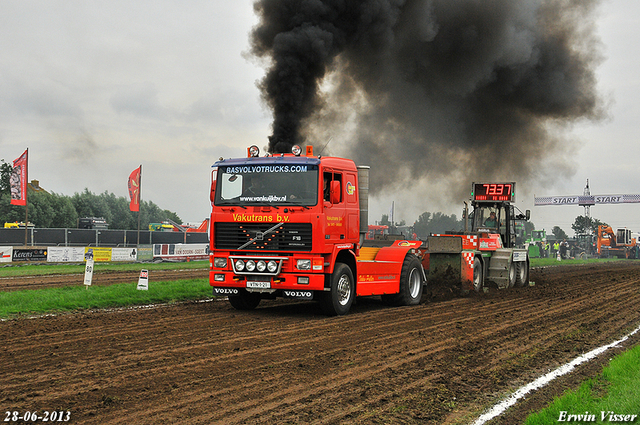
(338, 300)
(522, 273)
(245, 300)
(478, 275)
(411, 284)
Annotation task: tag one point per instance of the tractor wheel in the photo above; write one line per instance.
(411, 284)
(245, 300)
(338, 300)
(512, 274)
(522, 273)
(478, 275)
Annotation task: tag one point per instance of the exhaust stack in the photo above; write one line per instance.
(363, 193)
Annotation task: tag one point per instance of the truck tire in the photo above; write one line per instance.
(522, 273)
(338, 300)
(512, 274)
(411, 284)
(245, 300)
(478, 275)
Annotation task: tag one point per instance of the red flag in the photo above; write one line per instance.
(18, 180)
(134, 189)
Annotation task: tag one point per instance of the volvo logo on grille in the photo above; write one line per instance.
(259, 236)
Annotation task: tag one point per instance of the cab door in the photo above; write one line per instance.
(333, 194)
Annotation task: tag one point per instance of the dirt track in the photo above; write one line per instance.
(201, 363)
(99, 278)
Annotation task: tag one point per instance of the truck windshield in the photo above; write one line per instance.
(267, 185)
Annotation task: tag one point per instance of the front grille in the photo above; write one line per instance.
(285, 237)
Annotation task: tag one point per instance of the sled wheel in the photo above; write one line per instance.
(478, 275)
(522, 273)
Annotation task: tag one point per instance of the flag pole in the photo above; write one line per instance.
(139, 203)
(26, 202)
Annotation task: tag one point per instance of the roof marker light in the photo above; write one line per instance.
(254, 151)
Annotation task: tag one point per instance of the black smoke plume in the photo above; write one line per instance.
(429, 91)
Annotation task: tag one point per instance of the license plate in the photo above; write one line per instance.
(258, 285)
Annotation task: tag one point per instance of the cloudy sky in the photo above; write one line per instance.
(96, 88)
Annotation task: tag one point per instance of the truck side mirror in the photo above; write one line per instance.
(335, 192)
(528, 214)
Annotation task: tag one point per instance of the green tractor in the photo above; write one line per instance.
(536, 243)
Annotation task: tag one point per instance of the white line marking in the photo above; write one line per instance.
(500, 408)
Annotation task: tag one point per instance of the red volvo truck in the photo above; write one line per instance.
(294, 226)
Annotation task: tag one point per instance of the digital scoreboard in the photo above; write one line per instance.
(494, 192)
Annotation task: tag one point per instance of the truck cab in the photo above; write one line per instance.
(293, 226)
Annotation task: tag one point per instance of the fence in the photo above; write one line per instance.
(97, 237)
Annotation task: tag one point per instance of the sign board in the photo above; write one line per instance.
(88, 272)
(35, 254)
(6, 253)
(63, 254)
(494, 191)
(143, 280)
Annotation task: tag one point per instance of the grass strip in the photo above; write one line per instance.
(30, 269)
(611, 397)
(70, 298)
(541, 262)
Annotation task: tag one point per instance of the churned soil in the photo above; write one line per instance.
(442, 362)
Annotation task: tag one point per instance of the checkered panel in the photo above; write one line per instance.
(468, 257)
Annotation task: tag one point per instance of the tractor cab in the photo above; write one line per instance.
(494, 213)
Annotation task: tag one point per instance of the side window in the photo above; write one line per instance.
(340, 187)
(326, 185)
(332, 181)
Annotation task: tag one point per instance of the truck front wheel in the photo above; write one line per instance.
(338, 300)
(245, 300)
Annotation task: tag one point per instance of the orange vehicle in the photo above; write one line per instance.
(293, 226)
(620, 244)
(376, 232)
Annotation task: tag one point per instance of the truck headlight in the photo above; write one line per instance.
(303, 264)
(251, 265)
(220, 263)
(239, 265)
(272, 266)
(261, 265)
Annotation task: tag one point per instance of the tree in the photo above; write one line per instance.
(421, 225)
(428, 223)
(559, 233)
(51, 210)
(5, 174)
(584, 224)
